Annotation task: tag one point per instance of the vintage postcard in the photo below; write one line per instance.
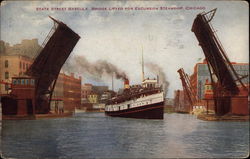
(124, 79)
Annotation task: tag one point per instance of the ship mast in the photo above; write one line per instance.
(142, 63)
(113, 81)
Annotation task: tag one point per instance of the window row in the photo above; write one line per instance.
(23, 81)
(23, 65)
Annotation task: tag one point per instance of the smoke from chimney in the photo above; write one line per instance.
(95, 70)
(156, 69)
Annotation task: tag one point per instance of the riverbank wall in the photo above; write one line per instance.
(212, 117)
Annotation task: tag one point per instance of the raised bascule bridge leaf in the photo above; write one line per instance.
(47, 65)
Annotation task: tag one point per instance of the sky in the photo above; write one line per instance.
(118, 36)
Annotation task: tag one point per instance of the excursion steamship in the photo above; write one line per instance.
(144, 101)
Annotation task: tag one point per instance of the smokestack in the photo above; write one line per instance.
(126, 84)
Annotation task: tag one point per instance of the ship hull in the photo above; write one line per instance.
(151, 111)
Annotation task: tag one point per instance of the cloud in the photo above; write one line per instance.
(117, 36)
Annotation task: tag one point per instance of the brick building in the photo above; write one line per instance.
(201, 75)
(16, 59)
(12, 66)
(67, 92)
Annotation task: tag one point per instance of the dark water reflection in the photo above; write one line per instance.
(93, 135)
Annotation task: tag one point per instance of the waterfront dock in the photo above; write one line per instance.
(37, 116)
(213, 117)
(63, 115)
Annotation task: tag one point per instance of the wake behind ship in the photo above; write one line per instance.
(145, 101)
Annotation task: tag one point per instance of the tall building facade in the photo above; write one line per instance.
(15, 60)
(67, 92)
(201, 75)
(12, 66)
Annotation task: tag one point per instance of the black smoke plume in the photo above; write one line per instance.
(95, 70)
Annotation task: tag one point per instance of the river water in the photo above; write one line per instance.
(94, 135)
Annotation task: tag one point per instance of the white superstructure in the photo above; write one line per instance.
(139, 102)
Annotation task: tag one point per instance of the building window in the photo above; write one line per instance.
(26, 81)
(27, 66)
(22, 81)
(32, 82)
(23, 65)
(6, 87)
(6, 75)
(14, 81)
(6, 63)
(20, 65)
(18, 81)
